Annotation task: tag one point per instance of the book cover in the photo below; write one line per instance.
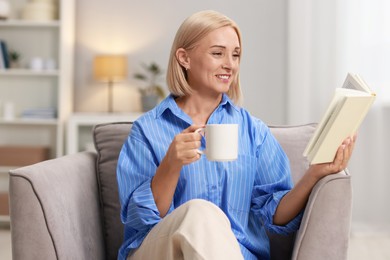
(345, 113)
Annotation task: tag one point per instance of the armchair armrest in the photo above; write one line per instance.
(54, 208)
(326, 219)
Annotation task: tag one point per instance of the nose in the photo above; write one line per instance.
(227, 63)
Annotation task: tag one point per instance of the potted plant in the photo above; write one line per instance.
(14, 59)
(152, 92)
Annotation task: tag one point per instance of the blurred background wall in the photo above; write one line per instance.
(144, 30)
(294, 54)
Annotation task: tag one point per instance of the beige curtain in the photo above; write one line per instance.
(326, 40)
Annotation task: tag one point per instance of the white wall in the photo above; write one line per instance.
(144, 31)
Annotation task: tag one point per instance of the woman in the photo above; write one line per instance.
(175, 203)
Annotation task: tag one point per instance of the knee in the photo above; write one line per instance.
(199, 205)
(204, 210)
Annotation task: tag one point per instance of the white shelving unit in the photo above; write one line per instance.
(28, 73)
(80, 125)
(29, 89)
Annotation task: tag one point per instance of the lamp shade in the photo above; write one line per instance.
(110, 68)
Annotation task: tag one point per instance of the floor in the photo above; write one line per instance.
(363, 246)
(369, 246)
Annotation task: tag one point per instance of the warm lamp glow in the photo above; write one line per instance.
(110, 68)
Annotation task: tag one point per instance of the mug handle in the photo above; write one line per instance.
(201, 131)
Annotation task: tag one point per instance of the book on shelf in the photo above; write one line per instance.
(345, 113)
(4, 64)
(39, 113)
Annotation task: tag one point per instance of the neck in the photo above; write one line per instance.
(199, 108)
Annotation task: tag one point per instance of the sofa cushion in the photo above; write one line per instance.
(294, 139)
(108, 139)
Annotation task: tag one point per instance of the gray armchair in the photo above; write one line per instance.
(68, 208)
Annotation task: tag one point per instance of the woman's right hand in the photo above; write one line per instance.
(184, 147)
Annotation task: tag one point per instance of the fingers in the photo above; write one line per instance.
(188, 138)
(337, 163)
(347, 152)
(189, 134)
(185, 145)
(192, 128)
(187, 154)
(340, 162)
(176, 156)
(343, 154)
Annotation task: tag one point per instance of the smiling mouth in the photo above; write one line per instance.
(223, 76)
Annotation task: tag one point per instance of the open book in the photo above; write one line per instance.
(342, 119)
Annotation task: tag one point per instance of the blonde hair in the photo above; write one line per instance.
(191, 31)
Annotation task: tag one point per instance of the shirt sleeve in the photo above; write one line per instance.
(135, 170)
(272, 182)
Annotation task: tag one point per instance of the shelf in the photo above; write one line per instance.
(90, 119)
(78, 120)
(28, 121)
(32, 89)
(27, 23)
(28, 73)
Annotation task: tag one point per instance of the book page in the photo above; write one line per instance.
(355, 82)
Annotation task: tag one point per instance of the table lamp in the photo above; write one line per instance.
(110, 69)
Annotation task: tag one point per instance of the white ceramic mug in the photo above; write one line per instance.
(221, 142)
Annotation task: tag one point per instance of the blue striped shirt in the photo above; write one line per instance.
(248, 189)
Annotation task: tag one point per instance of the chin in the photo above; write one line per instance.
(225, 89)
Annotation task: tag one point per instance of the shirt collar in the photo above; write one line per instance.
(226, 101)
(169, 103)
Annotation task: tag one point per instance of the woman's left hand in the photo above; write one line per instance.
(340, 161)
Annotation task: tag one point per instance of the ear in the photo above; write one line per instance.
(183, 58)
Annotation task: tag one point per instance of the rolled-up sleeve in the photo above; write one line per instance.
(272, 182)
(135, 170)
(141, 211)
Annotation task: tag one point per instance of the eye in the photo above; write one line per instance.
(217, 53)
(236, 55)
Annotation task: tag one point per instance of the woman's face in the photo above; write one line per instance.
(214, 62)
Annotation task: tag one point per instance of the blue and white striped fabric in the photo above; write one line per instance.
(248, 190)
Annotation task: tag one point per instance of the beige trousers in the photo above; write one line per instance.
(196, 230)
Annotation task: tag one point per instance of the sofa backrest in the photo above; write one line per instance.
(294, 139)
(109, 138)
